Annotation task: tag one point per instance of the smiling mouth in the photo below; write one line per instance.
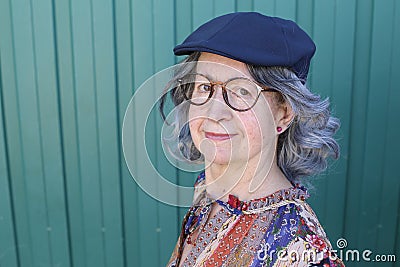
(218, 136)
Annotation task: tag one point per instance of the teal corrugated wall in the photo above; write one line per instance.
(67, 71)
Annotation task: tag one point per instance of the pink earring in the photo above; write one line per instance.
(279, 129)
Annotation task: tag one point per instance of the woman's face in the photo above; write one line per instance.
(226, 136)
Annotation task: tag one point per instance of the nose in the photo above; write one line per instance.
(217, 109)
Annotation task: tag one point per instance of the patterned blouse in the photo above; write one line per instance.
(278, 230)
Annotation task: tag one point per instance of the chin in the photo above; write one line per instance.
(225, 157)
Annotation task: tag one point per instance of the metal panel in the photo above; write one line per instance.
(67, 71)
(7, 242)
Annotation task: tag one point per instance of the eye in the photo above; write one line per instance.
(204, 87)
(242, 88)
(243, 92)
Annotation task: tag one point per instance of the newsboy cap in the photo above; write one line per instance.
(253, 38)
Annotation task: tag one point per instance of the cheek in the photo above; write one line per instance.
(253, 130)
(259, 130)
(251, 134)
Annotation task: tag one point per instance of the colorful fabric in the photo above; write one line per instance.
(278, 230)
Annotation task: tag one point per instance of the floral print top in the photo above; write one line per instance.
(278, 230)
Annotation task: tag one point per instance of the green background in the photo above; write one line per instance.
(67, 72)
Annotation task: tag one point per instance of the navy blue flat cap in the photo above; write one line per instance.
(253, 38)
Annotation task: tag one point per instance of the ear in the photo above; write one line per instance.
(285, 116)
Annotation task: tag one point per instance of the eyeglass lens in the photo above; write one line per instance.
(241, 92)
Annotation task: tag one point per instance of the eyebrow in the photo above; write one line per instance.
(205, 75)
(211, 78)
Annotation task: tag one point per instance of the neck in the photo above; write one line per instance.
(252, 181)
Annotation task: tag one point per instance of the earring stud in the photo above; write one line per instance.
(279, 129)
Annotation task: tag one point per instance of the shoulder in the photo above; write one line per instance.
(305, 241)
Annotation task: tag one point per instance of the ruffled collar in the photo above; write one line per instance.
(293, 194)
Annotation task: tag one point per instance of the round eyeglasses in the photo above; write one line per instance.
(239, 93)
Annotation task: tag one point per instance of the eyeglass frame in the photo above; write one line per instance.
(224, 93)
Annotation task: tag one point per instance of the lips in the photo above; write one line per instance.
(218, 136)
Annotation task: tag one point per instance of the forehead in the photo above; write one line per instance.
(220, 68)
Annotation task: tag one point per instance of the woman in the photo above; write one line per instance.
(245, 112)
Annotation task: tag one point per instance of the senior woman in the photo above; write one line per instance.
(246, 113)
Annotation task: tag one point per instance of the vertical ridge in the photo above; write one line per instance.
(61, 131)
(117, 104)
(7, 162)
